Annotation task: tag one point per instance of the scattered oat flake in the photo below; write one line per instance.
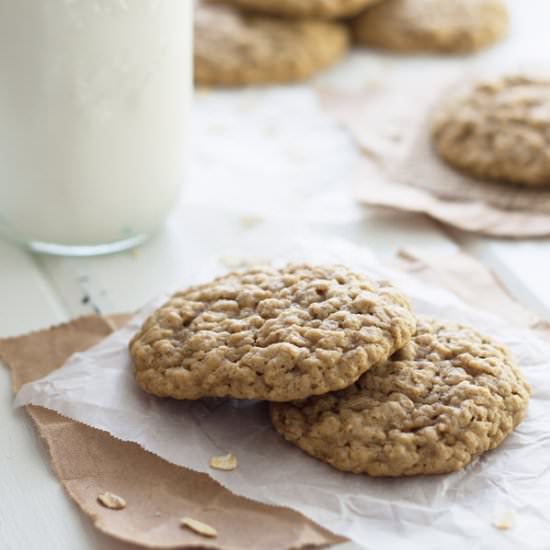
(233, 262)
(394, 136)
(251, 220)
(226, 462)
(270, 130)
(248, 104)
(358, 402)
(504, 520)
(199, 527)
(112, 501)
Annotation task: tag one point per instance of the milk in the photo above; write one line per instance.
(94, 99)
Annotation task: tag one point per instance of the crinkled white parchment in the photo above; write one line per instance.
(448, 511)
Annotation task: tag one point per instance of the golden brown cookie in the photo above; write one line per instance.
(497, 130)
(234, 49)
(275, 334)
(451, 26)
(315, 9)
(447, 397)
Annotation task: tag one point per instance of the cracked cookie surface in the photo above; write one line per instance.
(316, 9)
(451, 26)
(497, 130)
(275, 334)
(237, 49)
(448, 396)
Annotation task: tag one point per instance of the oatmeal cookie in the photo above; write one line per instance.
(275, 334)
(316, 9)
(450, 395)
(497, 130)
(235, 49)
(451, 26)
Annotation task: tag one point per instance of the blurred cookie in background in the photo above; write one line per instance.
(322, 9)
(497, 130)
(448, 26)
(236, 49)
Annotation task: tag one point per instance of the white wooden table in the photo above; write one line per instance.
(286, 163)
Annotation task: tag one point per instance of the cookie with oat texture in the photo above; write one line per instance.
(449, 26)
(497, 130)
(274, 334)
(315, 9)
(447, 397)
(236, 49)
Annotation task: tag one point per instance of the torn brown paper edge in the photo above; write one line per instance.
(89, 462)
(399, 170)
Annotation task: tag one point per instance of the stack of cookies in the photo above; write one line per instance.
(354, 378)
(242, 42)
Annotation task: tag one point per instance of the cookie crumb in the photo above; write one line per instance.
(226, 462)
(111, 501)
(234, 262)
(199, 527)
(504, 520)
(394, 135)
(251, 221)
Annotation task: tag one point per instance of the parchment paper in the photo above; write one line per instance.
(97, 388)
(390, 122)
(90, 461)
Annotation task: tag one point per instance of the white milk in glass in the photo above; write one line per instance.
(94, 99)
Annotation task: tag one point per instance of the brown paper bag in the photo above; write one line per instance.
(399, 169)
(89, 462)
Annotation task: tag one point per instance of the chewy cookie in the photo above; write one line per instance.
(316, 9)
(275, 334)
(236, 49)
(447, 397)
(497, 130)
(451, 26)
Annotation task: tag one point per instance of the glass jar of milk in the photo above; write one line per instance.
(94, 99)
